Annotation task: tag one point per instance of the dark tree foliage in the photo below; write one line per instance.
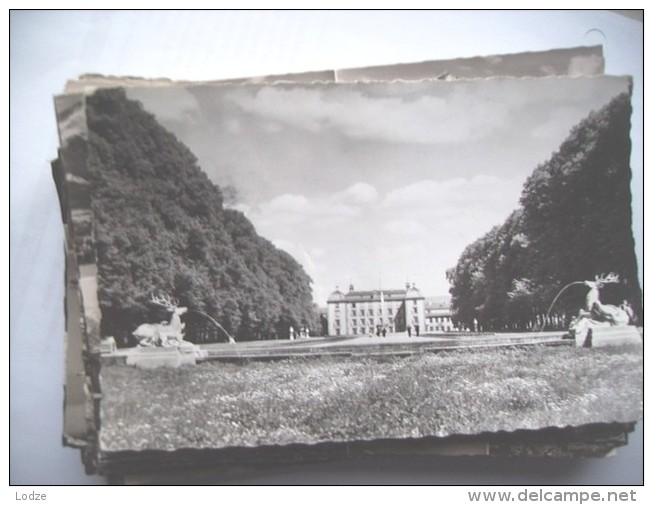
(160, 226)
(574, 222)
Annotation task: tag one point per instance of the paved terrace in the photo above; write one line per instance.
(396, 344)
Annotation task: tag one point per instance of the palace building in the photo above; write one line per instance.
(370, 312)
(437, 315)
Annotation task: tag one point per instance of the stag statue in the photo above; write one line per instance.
(164, 334)
(595, 313)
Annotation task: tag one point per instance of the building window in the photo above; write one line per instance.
(390, 310)
(354, 331)
(370, 312)
(353, 305)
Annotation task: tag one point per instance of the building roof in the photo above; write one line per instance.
(438, 301)
(437, 305)
(371, 296)
(389, 295)
(413, 293)
(336, 296)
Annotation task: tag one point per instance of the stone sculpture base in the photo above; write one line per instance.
(171, 357)
(604, 336)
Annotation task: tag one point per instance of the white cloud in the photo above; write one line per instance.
(424, 204)
(549, 129)
(426, 120)
(174, 105)
(405, 227)
(233, 126)
(360, 193)
(414, 231)
(318, 252)
(288, 203)
(272, 127)
(455, 197)
(297, 209)
(419, 193)
(242, 207)
(300, 253)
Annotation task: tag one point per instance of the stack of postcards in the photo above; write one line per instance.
(428, 258)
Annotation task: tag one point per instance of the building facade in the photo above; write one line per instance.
(371, 312)
(437, 315)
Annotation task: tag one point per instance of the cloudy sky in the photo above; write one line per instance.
(377, 184)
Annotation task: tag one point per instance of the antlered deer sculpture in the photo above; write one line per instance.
(165, 334)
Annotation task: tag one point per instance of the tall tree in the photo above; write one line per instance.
(574, 222)
(160, 225)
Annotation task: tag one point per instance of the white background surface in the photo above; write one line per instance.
(47, 48)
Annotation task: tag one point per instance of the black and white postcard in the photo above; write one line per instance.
(299, 264)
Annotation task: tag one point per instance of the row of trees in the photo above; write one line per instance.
(161, 226)
(574, 222)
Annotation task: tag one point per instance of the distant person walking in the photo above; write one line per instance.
(291, 333)
(409, 329)
(417, 330)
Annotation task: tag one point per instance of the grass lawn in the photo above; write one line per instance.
(305, 400)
